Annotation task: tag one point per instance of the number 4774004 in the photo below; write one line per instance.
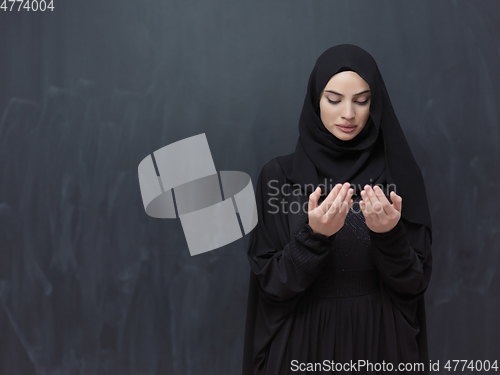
(27, 5)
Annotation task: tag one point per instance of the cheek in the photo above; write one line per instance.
(329, 113)
(328, 117)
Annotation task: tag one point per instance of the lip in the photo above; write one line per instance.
(346, 128)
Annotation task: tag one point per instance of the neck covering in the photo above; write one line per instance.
(378, 155)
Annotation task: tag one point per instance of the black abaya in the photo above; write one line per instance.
(375, 312)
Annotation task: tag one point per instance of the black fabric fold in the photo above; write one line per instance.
(304, 245)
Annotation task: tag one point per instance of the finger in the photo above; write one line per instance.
(373, 204)
(333, 193)
(366, 214)
(398, 201)
(327, 203)
(347, 202)
(368, 204)
(313, 200)
(386, 205)
(366, 201)
(337, 203)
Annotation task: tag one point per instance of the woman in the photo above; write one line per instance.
(337, 279)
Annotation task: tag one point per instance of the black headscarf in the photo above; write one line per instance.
(379, 154)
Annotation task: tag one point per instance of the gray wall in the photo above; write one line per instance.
(89, 284)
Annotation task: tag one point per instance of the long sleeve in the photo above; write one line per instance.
(284, 266)
(404, 258)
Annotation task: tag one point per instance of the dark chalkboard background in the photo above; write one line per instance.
(89, 284)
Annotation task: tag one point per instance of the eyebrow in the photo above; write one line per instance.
(337, 93)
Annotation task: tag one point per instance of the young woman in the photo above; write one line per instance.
(339, 265)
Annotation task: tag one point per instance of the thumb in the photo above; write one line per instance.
(313, 200)
(398, 201)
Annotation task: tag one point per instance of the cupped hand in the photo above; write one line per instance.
(380, 215)
(329, 216)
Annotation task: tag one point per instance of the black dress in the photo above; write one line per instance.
(317, 302)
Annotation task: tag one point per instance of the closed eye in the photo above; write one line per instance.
(338, 101)
(333, 101)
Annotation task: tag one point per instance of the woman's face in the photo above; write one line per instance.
(345, 100)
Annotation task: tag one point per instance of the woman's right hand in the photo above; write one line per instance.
(329, 216)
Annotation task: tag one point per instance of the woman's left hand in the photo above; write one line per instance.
(380, 215)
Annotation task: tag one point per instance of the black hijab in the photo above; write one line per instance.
(379, 154)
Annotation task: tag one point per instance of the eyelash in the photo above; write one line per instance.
(338, 101)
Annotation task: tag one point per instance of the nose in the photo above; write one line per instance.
(348, 111)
